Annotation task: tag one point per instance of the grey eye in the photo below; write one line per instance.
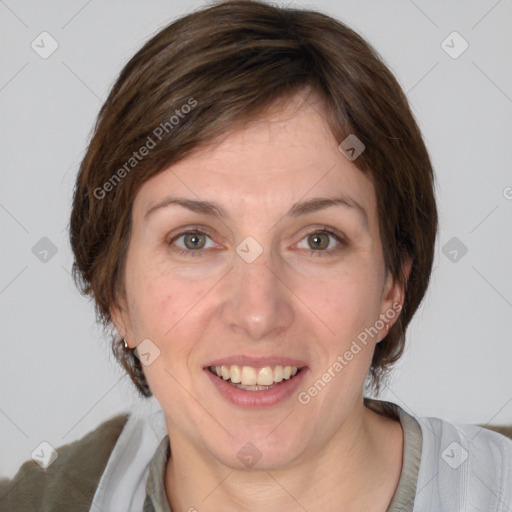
(192, 240)
(318, 240)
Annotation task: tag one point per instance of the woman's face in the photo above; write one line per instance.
(282, 267)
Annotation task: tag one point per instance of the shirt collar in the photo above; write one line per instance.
(156, 496)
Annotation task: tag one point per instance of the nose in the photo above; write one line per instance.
(257, 303)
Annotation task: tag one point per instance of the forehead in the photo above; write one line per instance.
(270, 163)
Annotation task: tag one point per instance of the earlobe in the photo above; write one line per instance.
(117, 314)
(395, 294)
(117, 320)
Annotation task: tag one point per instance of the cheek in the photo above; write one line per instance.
(150, 300)
(348, 302)
(164, 313)
(168, 310)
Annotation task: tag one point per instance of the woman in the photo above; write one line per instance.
(255, 215)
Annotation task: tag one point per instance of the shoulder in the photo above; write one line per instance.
(70, 482)
(463, 463)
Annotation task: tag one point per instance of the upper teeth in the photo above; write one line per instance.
(249, 376)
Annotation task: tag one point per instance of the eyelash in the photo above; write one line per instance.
(316, 253)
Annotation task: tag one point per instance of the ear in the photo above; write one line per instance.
(393, 297)
(121, 320)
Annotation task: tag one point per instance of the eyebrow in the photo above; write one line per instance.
(298, 209)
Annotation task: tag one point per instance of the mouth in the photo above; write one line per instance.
(249, 378)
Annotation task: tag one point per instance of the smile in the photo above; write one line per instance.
(254, 379)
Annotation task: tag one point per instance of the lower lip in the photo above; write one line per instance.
(246, 398)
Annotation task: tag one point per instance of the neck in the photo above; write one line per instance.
(357, 469)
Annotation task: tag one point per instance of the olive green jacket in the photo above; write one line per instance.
(69, 483)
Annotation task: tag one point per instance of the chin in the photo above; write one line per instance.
(263, 448)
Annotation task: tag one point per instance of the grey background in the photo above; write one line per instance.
(58, 380)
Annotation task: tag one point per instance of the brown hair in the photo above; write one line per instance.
(200, 77)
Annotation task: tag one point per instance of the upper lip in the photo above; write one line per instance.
(256, 362)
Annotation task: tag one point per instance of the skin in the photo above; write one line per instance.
(294, 300)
